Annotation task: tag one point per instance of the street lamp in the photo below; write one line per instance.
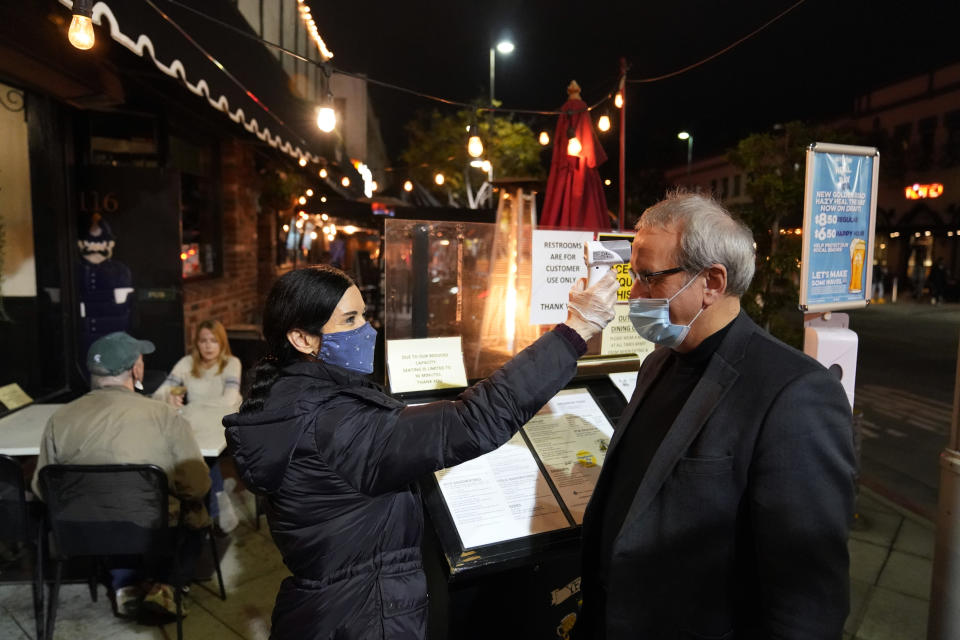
(684, 135)
(506, 48)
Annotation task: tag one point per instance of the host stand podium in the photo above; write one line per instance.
(502, 532)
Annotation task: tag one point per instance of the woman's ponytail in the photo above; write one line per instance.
(263, 375)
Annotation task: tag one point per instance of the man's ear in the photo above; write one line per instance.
(716, 275)
(138, 369)
(303, 341)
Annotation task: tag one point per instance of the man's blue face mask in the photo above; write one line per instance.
(651, 319)
(352, 350)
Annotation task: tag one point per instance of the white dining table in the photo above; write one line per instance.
(20, 432)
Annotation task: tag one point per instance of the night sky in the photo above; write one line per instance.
(810, 64)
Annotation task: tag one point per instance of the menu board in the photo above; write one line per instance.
(505, 495)
(570, 436)
(500, 496)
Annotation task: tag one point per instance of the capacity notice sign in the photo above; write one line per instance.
(839, 215)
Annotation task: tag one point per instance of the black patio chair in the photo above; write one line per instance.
(102, 511)
(21, 522)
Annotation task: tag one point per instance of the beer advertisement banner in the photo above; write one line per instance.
(840, 204)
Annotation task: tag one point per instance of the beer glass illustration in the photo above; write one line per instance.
(858, 250)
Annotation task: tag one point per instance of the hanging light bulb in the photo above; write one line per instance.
(81, 33)
(326, 118)
(604, 123)
(303, 162)
(408, 186)
(544, 138)
(439, 179)
(324, 217)
(313, 235)
(322, 173)
(618, 100)
(286, 227)
(345, 181)
(573, 143)
(475, 146)
(302, 200)
(309, 193)
(323, 198)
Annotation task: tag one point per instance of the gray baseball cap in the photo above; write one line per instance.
(115, 353)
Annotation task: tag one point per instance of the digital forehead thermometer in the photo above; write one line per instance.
(601, 255)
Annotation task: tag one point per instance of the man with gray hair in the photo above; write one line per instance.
(112, 424)
(725, 499)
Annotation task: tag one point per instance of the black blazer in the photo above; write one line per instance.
(739, 527)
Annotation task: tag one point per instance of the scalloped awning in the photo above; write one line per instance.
(235, 75)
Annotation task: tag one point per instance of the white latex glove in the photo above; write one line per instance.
(589, 310)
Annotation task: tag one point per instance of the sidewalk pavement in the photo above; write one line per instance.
(891, 560)
(891, 552)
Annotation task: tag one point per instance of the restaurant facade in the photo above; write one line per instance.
(167, 175)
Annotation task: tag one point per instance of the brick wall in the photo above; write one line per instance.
(234, 298)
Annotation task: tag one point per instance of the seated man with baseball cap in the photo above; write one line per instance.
(113, 424)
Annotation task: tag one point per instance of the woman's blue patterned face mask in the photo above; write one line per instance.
(352, 350)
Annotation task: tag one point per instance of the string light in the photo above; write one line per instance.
(322, 173)
(475, 147)
(302, 200)
(286, 227)
(81, 33)
(618, 100)
(312, 29)
(313, 235)
(474, 144)
(604, 123)
(324, 217)
(311, 25)
(574, 147)
(345, 181)
(439, 179)
(326, 118)
(323, 198)
(309, 193)
(373, 185)
(408, 186)
(544, 138)
(303, 161)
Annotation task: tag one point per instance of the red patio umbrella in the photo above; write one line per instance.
(574, 197)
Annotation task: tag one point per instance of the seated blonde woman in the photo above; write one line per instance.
(205, 386)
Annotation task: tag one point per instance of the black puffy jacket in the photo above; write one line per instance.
(336, 457)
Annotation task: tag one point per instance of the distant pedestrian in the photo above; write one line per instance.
(937, 281)
(879, 273)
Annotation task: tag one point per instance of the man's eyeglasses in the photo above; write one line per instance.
(647, 278)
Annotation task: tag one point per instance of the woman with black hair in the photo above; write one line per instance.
(336, 456)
